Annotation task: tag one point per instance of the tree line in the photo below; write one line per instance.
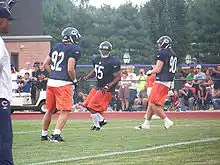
(194, 26)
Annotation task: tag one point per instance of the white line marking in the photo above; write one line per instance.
(25, 132)
(126, 151)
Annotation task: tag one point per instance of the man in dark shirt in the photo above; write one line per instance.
(165, 70)
(107, 72)
(187, 98)
(42, 77)
(61, 64)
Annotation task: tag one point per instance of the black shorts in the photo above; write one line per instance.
(5, 133)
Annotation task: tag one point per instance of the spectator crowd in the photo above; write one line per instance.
(195, 88)
(30, 79)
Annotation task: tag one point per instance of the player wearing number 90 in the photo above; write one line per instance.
(165, 70)
(107, 72)
(61, 64)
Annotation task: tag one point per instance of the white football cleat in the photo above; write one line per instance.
(142, 127)
(168, 124)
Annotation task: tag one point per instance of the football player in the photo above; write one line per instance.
(61, 64)
(165, 70)
(107, 72)
(5, 88)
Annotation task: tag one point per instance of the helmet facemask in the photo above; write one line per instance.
(105, 49)
(104, 53)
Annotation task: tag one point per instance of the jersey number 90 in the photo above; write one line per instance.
(173, 64)
(57, 59)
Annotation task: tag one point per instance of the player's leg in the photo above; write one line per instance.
(98, 104)
(98, 120)
(95, 118)
(147, 116)
(5, 133)
(149, 113)
(161, 92)
(160, 112)
(94, 115)
(63, 96)
(50, 106)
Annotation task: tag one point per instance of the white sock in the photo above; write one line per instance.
(146, 122)
(101, 118)
(44, 133)
(95, 119)
(166, 119)
(57, 131)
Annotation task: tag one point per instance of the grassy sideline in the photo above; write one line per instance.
(119, 135)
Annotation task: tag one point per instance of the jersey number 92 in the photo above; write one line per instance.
(57, 59)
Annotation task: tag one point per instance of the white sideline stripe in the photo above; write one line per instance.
(127, 151)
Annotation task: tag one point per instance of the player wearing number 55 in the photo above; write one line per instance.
(61, 64)
(107, 72)
(165, 70)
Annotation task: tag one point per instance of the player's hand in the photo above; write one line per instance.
(149, 72)
(105, 89)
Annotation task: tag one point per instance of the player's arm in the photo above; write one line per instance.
(90, 75)
(157, 68)
(46, 64)
(117, 78)
(71, 68)
(216, 71)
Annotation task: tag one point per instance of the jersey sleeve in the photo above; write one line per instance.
(116, 65)
(161, 56)
(75, 53)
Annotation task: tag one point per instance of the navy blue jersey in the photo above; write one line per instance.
(60, 55)
(104, 69)
(169, 67)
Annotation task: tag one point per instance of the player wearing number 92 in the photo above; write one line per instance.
(61, 64)
(107, 72)
(165, 70)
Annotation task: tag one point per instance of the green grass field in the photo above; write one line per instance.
(107, 146)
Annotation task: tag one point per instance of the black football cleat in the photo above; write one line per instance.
(97, 129)
(44, 138)
(94, 128)
(103, 122)
(56, 138)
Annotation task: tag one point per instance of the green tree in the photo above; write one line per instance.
(166, 17)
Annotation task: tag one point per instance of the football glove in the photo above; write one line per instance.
(75, 83)
(105, 88)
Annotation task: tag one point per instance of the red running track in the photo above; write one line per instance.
(121, 115)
